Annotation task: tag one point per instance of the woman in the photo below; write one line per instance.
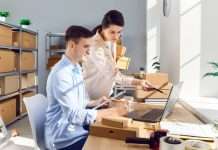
(100, 72)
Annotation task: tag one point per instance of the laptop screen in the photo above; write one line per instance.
(174, 96)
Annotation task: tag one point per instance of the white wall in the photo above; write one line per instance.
(153, 31)
(209, 51)
(57, 15)
(188, 40)
(169, 42)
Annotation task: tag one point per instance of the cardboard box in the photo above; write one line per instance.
(98, 129)
(5, 36)
(160, 81)
(8, 110)
(9, 84)
(7, 61)
(118, 122)
(153, 94)
(28, 61)
(28, 40)
(28, 80)
(157, 79)
(53, 60)
(23, 107)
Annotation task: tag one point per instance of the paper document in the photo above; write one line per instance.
(188, 129)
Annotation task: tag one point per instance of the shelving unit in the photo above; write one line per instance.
(55, 47)
(24, 45)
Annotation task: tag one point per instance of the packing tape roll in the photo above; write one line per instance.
(171, 143)
(196, 145)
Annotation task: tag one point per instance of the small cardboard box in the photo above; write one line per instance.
(28, 40)
(23, 107)
(28, 61)
(28, 80)
(157, 79)
(153, 94)
(160, 81)
(118, 122)
(8, 110)
(9, 84)
(101, 130)
(5, 36)
(7, 61)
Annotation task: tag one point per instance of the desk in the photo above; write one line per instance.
(98, 143)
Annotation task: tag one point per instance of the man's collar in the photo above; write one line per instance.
(75, 67)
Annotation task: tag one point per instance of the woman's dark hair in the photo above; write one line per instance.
(112, 17)
(76, 32)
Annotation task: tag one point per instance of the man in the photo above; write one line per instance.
(67, 113)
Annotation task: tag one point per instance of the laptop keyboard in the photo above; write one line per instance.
(154, 114)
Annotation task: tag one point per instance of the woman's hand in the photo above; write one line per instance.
(146, 85)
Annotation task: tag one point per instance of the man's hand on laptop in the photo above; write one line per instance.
(101, 102)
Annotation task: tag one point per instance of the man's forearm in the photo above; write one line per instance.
(92, 103)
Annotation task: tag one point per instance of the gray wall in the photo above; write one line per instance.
(57, 15)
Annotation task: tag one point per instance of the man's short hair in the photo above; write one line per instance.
(74, 33)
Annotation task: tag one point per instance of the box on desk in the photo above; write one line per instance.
(9, 84)
(157, 79)
(101, 130)
(121, 127)
(153, 94)
(160, 81)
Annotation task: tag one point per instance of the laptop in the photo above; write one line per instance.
(155, 114)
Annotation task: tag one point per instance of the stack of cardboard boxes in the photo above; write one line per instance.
(10, 67)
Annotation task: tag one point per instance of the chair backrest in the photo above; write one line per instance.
(36, 108)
